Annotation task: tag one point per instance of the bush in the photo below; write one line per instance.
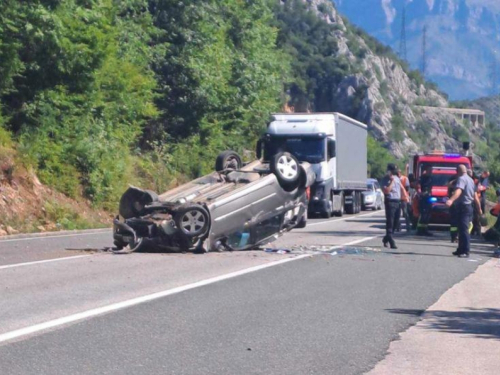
(378, 158)
(398, 127)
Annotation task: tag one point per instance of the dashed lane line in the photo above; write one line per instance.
(19, 333)
(41, 261)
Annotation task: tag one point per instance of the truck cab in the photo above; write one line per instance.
(444, 166)
(327, 141)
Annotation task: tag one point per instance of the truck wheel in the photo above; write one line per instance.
(228, 160)
(358, 195)
(351, 209)
(192, 221)
(286, 168)
(340, 213)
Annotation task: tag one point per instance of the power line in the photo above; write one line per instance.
(402, 40)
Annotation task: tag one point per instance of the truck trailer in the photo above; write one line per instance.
(335, 146)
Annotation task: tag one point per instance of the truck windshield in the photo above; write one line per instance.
(440, 166)
(311, 150)
(442, 179)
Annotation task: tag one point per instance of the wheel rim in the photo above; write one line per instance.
(287, 167)
(231, 163)
(193, 222)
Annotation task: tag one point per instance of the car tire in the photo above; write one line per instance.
(287, 170)
(133, 202)
(192, 221)
(228, 160)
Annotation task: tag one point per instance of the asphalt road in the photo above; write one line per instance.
(90, 312)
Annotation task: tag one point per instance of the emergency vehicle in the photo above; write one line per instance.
(444, 166)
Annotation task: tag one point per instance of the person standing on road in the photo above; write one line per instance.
(475, 227)
(391, 186)
(405, 199)
(484, 184)
(424, 205)
(453, 211)
(464, 197)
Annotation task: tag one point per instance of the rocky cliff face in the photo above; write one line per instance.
(387, 97)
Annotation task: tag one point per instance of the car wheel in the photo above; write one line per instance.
(286, 168)
(192, 221)
(228, 160)
(134, 201)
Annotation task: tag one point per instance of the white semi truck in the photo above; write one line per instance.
(335, 145)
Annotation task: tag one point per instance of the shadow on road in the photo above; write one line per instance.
(481, 323)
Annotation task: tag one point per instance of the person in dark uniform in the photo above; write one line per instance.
(453, 211)
(391, 186)
(464, 197)
(424, 205)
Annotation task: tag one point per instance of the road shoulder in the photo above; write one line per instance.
(459, 334)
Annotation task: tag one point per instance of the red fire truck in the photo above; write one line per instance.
(444, 166)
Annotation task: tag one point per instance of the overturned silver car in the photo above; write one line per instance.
(234, 208)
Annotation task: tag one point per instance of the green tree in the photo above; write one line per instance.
(80, 89)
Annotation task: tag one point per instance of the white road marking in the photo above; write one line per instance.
(356, 241)
(41, 261)
(47, 237)
(343, 219)
(136, 301)
(143, 299)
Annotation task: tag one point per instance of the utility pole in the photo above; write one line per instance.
(402, 41)
(494, 75)
(424, 51)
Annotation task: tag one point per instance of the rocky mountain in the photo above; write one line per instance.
(462, 38)
(384, 94)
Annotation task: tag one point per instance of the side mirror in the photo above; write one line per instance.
(411, 178)
(258, 150)
(331, 148)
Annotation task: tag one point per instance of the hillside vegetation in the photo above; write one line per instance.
(99, 94)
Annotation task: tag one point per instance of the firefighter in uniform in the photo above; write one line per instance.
(424, 205)
(464, 198)
(453, 211)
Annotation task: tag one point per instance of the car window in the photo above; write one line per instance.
(239, 239)
(268, 227)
